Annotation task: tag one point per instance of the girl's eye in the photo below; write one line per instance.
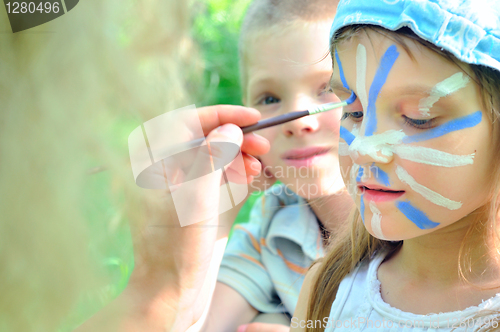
(419, 123)
(355, 116)
(269, 100)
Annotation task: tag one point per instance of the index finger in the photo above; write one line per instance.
(212, 117)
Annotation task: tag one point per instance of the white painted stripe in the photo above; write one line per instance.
(442, 89)
(376, 222)
(428, 194)
(423, 155)
(361, 81)
(372, 145)
(355, 130)
(343, 149)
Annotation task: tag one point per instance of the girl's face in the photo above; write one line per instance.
(282, 78)
(416, 145)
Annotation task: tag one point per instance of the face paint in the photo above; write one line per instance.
(383, 70)
(360, 79)
(362, 208)
(428, 194)
(394, 147)
(346, 135)
(376, 146)
(376, 221)
(343, 148)
(416, 216)
(360, 174)
(423, 155)
(390, 142)
(467, 121)
(381, 176)
(442, 89)
(341, 72)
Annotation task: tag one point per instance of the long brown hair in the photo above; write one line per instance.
(355, 244)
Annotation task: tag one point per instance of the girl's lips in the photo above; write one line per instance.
(379, 194)
(305, 156)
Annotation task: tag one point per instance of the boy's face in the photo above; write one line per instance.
(285, 74)
(416, 145)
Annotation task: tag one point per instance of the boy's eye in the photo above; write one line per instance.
(269, 100)
(355, 116)
(419, 123)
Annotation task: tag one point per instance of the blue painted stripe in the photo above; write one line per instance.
(383, 70)
(362, 208)
(346, 135)
(341, 72)
(381, 176)
(416, 216)
(351, 99)
(467, 121)
(360, 174)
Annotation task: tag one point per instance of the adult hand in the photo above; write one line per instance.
(263, 181)
(172, 255)
(171, 261)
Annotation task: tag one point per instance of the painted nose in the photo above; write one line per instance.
(366, 150)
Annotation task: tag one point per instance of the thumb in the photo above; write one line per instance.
(224, 144)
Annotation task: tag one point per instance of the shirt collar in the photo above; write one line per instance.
(292, 219)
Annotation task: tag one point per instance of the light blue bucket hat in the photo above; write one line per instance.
(468, 29)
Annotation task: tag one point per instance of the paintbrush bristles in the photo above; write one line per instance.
(326, 107)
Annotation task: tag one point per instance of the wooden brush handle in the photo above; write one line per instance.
(274, 121)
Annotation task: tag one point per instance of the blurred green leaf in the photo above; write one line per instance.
(216, 29)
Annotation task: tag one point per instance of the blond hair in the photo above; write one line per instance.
(355, 244)
(65, 88)
(274, 16)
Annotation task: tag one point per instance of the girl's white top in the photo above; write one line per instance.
(359, 307)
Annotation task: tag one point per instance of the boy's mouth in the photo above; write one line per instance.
(305, 157)
(305, 153)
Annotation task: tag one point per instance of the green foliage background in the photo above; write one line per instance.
(215, 30)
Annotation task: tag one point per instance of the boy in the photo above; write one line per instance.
(284, 67)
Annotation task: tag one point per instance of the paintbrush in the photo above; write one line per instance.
(284, 118)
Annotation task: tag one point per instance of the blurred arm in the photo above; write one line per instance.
(171, 262)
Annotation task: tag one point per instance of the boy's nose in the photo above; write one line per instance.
(300, 127)
(306, 125)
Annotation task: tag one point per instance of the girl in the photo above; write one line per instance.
(422, 252)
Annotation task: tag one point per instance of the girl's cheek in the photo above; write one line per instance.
(345, 163)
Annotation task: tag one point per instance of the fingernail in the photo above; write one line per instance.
(242, 328)
(229, 130)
